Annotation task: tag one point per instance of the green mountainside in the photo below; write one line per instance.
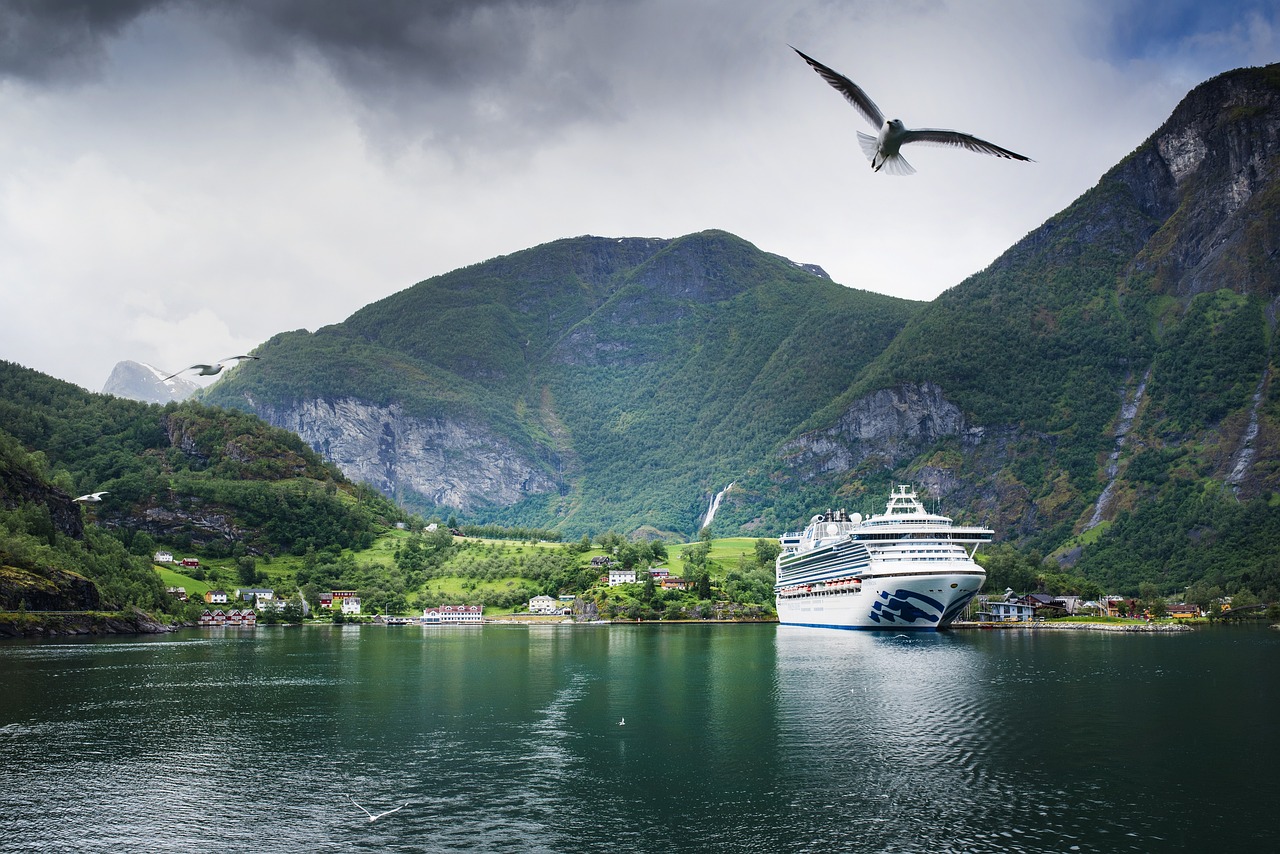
(1102, 392)
(634, 378)
(187, 475)
(1114, 368)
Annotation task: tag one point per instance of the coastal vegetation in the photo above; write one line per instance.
(406, 572)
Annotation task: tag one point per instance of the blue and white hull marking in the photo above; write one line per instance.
(903, 569)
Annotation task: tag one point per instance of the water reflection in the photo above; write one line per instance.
(754, 738)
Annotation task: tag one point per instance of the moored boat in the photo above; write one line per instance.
(905, 568)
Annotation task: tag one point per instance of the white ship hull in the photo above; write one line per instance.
(905, 569)
(912, 602)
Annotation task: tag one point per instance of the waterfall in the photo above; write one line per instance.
(1128, 411)
(1244, 454)
(715, 505)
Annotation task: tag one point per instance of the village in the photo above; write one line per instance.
(1038, 607)
(250, 605)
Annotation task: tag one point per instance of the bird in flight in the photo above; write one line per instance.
(92, 496)
(210, 370)
(373, 817)
(883, 149)
(622, 722)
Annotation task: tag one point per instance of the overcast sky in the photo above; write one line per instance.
(182, 179)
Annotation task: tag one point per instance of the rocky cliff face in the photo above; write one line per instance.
(1214, 165)
(50, 590)
(19, 486)
(447, 462)
(892, 424)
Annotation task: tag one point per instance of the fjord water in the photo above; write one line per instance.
(737, 737)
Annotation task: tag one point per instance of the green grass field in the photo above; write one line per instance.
(726, 552)
(279, 574)
(172, 578)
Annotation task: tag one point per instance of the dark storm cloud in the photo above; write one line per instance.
(447, 43)
(45, 41)
(426, 69)
(452, 69)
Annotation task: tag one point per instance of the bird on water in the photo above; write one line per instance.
(883, 149)
(373, 817)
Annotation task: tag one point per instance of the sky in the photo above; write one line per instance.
(183, 179)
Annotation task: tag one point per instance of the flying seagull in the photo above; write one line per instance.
(883, 149)
(93, 496)
(622, 722)
(210, 370)
(373, 817)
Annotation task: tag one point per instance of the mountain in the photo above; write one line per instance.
(1104, 389)
(587, 384)
(183, 474)
(1101, 393)
(146, 383)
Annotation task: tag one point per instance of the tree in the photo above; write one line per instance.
(1203, 595)
(696, 556)
(292, 612)
(247, 570)
(142, 545)
(1151, 598)
(767, 552)
(702, 584)
(609, 541)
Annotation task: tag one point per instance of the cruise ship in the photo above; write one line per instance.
(904, 569)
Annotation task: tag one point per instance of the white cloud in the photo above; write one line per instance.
(194, 199)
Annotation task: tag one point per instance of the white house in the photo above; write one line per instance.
(543, 605)
(255, 594)
(216, 597)
(454, 614)
(1007, 612)
(163, 557)
(618, 575)
(351, 605)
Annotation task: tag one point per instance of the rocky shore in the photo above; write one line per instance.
(33, 624)
(1147, 628)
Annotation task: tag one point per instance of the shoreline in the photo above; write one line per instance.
(1128, 628)
(50, 624)
(14, 625)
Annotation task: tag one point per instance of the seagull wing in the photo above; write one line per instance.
(852, 91)
(954, 138)
(388, 812)
(362, 809)
(98, 495)
(236, 359)
(205, 370)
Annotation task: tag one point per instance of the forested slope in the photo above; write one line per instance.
(183, 474)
